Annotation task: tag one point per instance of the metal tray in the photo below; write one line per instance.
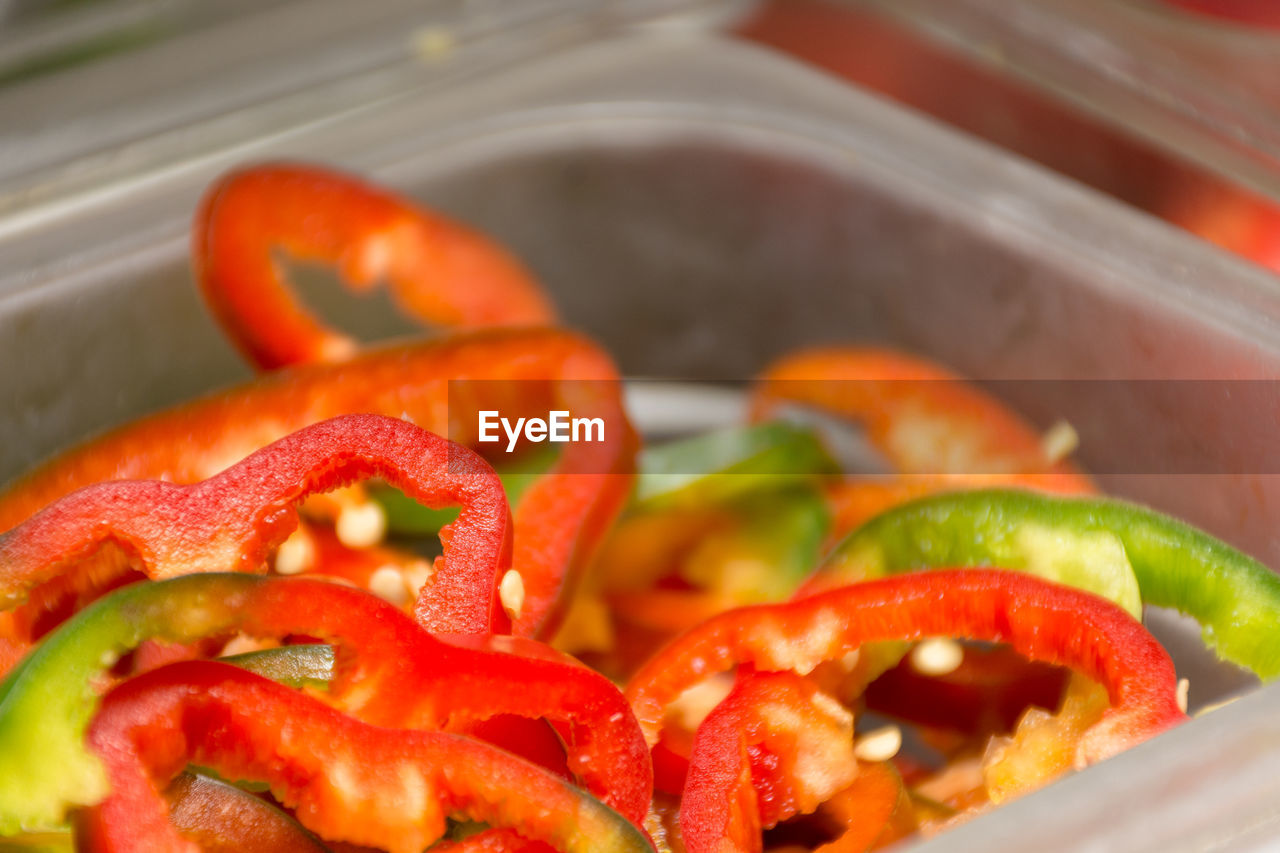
(701, 207)
(1202, 88)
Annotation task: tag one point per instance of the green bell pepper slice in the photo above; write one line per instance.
(309, 665)
(47, 701)
(1125, 552)
(773, 547)
(718, 466)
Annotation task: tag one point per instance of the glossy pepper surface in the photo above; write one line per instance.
(345, 779)
(922, 418)
(1040, 620)
(386, 671)
(436, 384)
(1235, 598)
(231, 521)
(439, 271)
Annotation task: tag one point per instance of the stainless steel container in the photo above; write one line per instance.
(701, 207)
(1199, 87)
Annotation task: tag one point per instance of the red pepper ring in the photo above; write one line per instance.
(774, 747)
(561, 519)
(872, 812)
(924, 418)
(231, 521)
(439, 271)
(346, 780)
(514, 675)
(1039, 619)
(386, 671)
(458, 681)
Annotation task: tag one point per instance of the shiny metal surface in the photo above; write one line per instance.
(1202, 88)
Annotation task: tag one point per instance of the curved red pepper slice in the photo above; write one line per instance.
(460, 682)
(925, 419)
(1039, 619)
(439, 271)
(560, 519)
(775, 747)
(231, 521)
(875, 810)
(345, 779)
(386, 671)
(520, 676)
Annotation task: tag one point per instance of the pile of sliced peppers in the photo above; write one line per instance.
(292, 616)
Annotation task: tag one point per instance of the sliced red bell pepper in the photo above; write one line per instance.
(438, 385)
(472, 680)
(439, 271)
(874, 811)
(312, 666)
(1235, 598)
(774, 748)
(231, 521)
(1040, 748)
(222, 818)
(387, 671)
(925, 419)
(345, 779)
(1039, 619)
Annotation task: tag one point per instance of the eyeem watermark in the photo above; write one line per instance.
(558, 427)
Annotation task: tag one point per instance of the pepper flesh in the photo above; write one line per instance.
(345, 779)
(925, 419)
(387, 671)
(773, 748)
(1040, 620)
(875, 810)
(440, 272)
(561, 518)
(1235, 598)
(856, 501)
(231, 521)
